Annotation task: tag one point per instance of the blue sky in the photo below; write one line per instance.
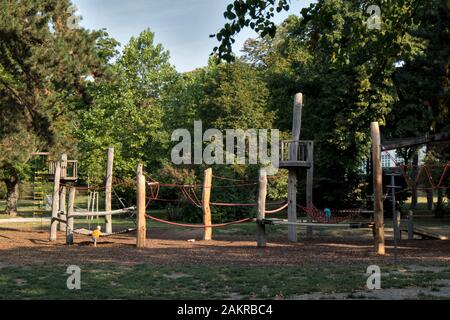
(182, 26)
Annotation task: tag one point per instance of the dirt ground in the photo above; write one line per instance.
(168, 247)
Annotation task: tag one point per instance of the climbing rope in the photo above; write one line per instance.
(197, 226)
(277, 210)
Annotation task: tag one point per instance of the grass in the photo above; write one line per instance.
(198, 282)
(109, 281)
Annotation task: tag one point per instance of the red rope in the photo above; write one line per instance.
(221, 225)
(222, 204)
(189, 198)
(320, 217)
(229, 179)
(278, 210)
(443, 175)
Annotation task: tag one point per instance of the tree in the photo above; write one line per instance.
(345, 70)
(43, 68)
(128, 111)
(255, 14)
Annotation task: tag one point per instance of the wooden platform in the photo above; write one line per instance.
(352, 225)
(293, 164)
(425, 234)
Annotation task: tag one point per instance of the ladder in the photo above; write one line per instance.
(38, 192)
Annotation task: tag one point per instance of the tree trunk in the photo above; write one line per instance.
(440, 197)
(12, 186)
(430, 199)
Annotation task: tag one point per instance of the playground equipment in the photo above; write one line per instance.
(65, 216)
(295, 155)
(424, 177)
(44, 170)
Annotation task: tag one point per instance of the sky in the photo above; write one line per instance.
(182, 26)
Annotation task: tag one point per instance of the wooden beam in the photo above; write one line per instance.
(40, 153)
(392, 144)
(100, 214)
(141, 218)
(292, 178)
(108, 189)
(55, 201)
(62, 197)
(410, 225)
(261, 213)
(206, 197)
(309, 185)
(377, 188)
(70, 211)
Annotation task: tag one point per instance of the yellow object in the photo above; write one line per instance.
(96, 234)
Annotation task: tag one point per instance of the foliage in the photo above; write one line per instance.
(127, 112)
(43, 68)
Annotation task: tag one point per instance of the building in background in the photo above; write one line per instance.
(390, 159)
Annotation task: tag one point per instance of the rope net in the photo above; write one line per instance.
(334, 217)
(422, 177)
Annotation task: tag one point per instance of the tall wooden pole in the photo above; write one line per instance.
(309, 184)
(293, 156)
(207, 221)
(108, 189)
(62, 197)
(70, 211)
(377, 188)
(261, 214)
(55, 202)
(141, 219)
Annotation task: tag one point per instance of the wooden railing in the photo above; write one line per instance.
(67, 172)
(295, 151)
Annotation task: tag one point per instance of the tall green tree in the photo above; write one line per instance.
(345, 69)
(44, 64)
(128, 112)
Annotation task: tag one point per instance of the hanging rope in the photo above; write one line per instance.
(277, 210)
(197, 226)
(231, 179)
(222, 204)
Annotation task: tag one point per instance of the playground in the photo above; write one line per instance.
(305, 159)
(332, 264)
(294, 239)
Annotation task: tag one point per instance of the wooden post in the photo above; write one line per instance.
(440, 197)
(207, 221)
(410, 225)
(62, 196)
(140, 205)
(70, 211)
(398, 222)
(377, 188)
(108, 189)
(293, 155)
(55, 202)
(261, 214)
(430, 199)
(309, 184)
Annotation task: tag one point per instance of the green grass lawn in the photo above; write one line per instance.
(199, 282)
